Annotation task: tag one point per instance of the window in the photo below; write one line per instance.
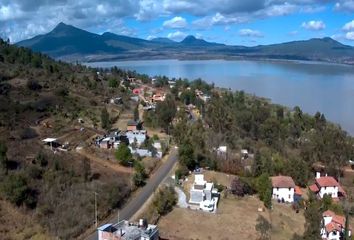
(289, 196)
(289, 189)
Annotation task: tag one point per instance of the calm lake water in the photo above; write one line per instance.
(312, 86)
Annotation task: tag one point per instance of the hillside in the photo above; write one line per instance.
(46, 194)
(71, 44)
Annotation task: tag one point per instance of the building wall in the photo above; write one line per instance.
(332, 191)
(107, 236)
(207, 194)
(284, 193)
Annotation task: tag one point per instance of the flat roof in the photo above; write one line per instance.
(104, 227)
(48, 140)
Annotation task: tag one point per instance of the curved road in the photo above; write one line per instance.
(134, 204)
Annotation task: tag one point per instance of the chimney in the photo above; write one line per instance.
(318, 175)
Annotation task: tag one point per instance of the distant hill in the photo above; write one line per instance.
(70, 43)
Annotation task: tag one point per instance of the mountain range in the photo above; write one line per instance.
(69, 43)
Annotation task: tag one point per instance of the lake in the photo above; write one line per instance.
(313, 86)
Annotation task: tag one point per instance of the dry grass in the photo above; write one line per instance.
(22, 225)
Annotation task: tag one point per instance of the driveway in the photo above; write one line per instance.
(182, 199)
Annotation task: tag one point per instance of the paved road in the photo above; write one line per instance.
(134, 205)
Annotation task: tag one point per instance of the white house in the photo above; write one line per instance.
(333, 226)
(138, 135)
(283, 188)
(327, 185)
(202, 193)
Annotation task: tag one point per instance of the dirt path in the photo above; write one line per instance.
(105, 163)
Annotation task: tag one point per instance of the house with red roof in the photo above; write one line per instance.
(333, 226)
(327, 185)
(283, 188)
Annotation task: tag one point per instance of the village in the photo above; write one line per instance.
(204, 197)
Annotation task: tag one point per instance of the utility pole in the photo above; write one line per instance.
(118, 216)
(96, 214)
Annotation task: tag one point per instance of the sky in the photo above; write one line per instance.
(234, 22)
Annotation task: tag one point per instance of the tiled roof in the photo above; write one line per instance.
(283, 182)
(326, 182)
(338, 221)
(330, 227)
(314, 188)
(298, 190)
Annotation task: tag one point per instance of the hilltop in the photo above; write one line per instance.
(70, 43)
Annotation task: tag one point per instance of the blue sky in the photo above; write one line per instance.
(236, 22)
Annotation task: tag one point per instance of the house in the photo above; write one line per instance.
(137, 135)
(203, 194)
(137, 91)
(297, 194)
(333, 226)
(125, 230)
(158, 97)
(105, 143)
(171, 83)
(327, 185)
(117, 100)
(133, 125)
(221, 151)
(52, 142)
(140, 152)
(283, 188)
(244, 153)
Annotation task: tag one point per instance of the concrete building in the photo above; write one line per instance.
(203, 194)
(333, 226)
(125, 230)
(283, 188)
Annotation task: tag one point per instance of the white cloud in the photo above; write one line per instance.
(150, 37)
(314, 25)
(345, 5)
(218, 19)
(177, 36)
(349, 26)
(10, 12)
(293, 33)
(280, 9)
(250, 33)
(349, 36)
(176, 22)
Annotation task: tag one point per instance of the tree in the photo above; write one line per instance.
(136, 113)
(165, 200)
(86, 169)
(264, 189)
(263, 227)
(186, 156)
(313, 219)
(139, 175)
(113, 83)
(166, 111)
(16, 190)
(237, 187)
(298, 169)
(123, 154)
(105, 121)
(4, 162)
